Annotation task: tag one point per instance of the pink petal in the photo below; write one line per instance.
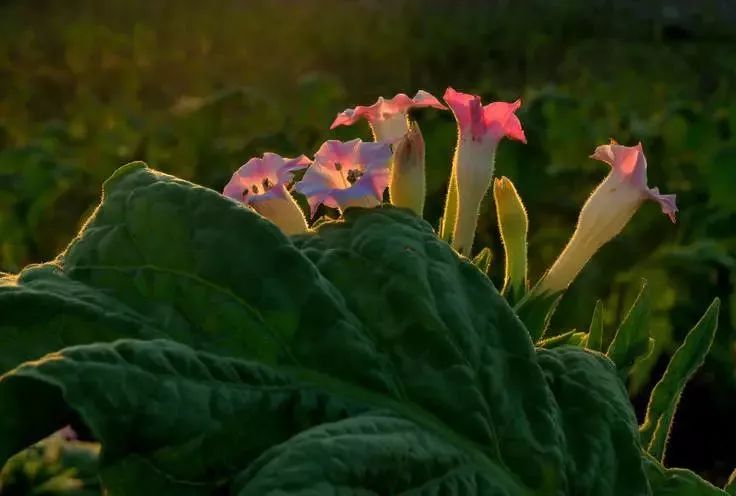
(361, 189)
(324, 183)
(336, 151)
(630, 164)
(235, 187)
(373, 154)
(604, 153)
(460, 104)
(627, 161)
(385, 109)
(345, 118)
(276, 169)
(502, 116)
(398, 104)
(496, 120)
(666, 202)
(426, 99)
(370, 113)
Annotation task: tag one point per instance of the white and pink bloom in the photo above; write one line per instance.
(261, 183)
(346, 174)
(480, 128)
(387, 118)
(608, 209)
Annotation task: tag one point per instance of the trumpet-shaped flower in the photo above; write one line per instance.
(387, 118)
(346, 174)
(480, 128)
(608, 209)
(261, 184)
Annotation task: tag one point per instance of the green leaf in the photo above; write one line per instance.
(631, 340)
(483, 260)
(213, 253)
(377, 442)
(183, 422)
(574, 338)
(437, 308)
(676, 481)
(595, 333)
(599, 422)
(43, 310)
(667, 392)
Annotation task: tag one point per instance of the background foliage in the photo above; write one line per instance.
(195, 89)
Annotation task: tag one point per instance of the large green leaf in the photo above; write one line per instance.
(208, 270)
(184, 422)
(368, 455)
(42, 310)
(449, 335)
(666, 394)
(603, 450)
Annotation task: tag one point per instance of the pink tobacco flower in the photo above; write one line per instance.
(484, 123)
(480, 128)
(346, 174)
(261, 184)
(607, 211)
(629, 168)
(387, 118)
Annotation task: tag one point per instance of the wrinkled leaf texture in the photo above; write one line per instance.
(210, 354)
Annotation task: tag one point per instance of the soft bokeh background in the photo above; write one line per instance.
(197, 88)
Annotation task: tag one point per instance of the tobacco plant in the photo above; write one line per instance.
(189, 342)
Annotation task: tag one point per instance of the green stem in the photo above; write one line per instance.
(450, 215)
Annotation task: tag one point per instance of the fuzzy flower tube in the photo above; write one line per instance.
(480, 128)
(387, 118)
(346, 174)
(608, 209)
(261, 183)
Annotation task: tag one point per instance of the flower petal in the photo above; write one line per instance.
(604, 153)
(502, 117)
(373, 155)
(257, 175)
(336, 151)
(384, 109)
(666, 202)
(628, 162)
(460, 104)
(426, 99)
(327, 181)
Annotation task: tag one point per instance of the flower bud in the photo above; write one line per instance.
(514, 225)
(407, 185)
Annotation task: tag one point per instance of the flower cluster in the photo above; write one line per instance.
(357, 174)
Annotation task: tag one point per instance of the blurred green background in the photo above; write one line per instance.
(197, 88)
